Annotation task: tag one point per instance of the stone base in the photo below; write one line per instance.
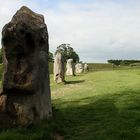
(23, 110)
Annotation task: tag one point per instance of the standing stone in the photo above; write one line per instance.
(59, 70)
(70, 67)
(86, 67)
(79, 68)
(25, 97)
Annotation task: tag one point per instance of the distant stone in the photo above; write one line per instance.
(25, 97)
(86, 69)
(79, 68)
(59, 70)
(70, 67)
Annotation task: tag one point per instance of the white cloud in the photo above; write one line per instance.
(100, 32)
(97, 31)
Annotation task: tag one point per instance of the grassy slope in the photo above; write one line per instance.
(100, 105)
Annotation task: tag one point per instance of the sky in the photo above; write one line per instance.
(98, 30)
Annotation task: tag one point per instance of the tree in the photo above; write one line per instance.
(123, 62)
(115, 62)
(67, 52)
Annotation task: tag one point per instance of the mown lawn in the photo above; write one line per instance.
(103, 105)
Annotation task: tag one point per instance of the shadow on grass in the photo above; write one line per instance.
(110, 117)
(74, 82)
(80, 74)
(45, 130)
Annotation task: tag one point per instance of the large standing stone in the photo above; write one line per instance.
(25, 97)
(70, 67)
(59, 70)
(86, 67)
(79, 68)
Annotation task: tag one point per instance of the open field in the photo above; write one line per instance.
(100, 67)
(102, 105)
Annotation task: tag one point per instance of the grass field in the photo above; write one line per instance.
(103, 105)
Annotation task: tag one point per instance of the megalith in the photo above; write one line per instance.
(25, 96)
(86, 67)
(70, 67)
(59, 69)
(79, 68)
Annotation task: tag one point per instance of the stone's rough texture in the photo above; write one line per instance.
(59, 70)
(3, 99)
(25, 96)
(70, 67)
(79, 68)
(85, 67)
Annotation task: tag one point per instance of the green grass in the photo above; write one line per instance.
(103, 105)
(99, 66)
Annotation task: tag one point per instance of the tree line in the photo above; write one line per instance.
(123, 62)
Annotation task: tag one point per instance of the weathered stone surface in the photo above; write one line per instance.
(70, 67)
(59, 70)
(25, 96)
(86, 67)
(79, 68)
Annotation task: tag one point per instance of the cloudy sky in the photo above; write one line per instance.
(98, 30)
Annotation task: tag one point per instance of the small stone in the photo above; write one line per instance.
(59, 70)
(79, 68)
(86, 69)
(70, 67)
